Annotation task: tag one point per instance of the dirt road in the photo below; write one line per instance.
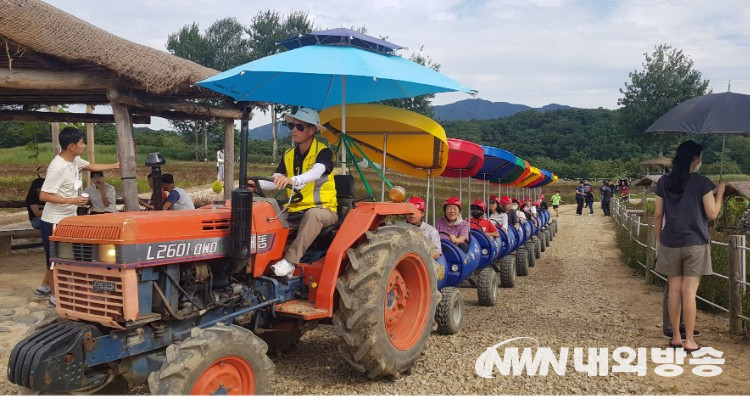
(578, 295)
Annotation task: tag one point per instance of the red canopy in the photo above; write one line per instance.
(464, 158)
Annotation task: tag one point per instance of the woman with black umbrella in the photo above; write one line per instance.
(684, 202)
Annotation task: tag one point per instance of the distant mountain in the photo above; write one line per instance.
(469, 109)
(264, 132)
(480, 109)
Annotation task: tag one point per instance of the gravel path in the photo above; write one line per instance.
(579, 294)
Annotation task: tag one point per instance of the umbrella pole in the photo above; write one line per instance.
(721, 167)
(385, 150)
(427, 204)
(343, 122)
(433, 202)
(460, 187)
(468, 183)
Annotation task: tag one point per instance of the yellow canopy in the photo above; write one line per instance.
(532, 177)
(413, 143)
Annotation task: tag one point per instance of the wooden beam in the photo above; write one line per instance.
(126, 155)
(91, 142)
(228, 158)
(41, 80)
(42, 116)
(173, 105)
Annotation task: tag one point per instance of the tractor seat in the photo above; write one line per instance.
(345, 198)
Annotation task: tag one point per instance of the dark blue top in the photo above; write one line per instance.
(685, 222)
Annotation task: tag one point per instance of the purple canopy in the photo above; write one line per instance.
(342, 36)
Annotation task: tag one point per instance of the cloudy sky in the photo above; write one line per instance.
(532, 52)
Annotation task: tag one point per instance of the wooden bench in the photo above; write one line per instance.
(7, 235)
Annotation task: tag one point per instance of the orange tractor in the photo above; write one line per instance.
(180, 300)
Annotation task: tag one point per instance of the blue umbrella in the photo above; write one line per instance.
(341, 36)
(320, 76)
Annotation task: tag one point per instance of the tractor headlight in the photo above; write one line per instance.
(454, 267)
(485, 252)
(64, 250)
(107, 254)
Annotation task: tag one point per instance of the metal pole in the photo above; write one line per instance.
(735, 296)
(382, 183)
(343, 124)
(427, 196)
(721, 168)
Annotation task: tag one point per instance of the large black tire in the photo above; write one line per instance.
(548, 237)
(537, 247)
(543, 240)
(450, 312)
(487, 284)
(522, 263)
(508, 271)
(531, 253)
(388, 296)
(212, 360)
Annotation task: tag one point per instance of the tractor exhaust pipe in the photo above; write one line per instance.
(240, 228)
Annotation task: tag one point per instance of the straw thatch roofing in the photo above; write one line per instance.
(659, 161)
(648, 180)
(36, 37)
(738, 188)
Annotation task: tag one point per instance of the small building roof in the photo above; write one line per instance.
(738, 188)
(38, 37)
(648, 180)
(659, 161)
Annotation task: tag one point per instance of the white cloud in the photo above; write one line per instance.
(574, 52)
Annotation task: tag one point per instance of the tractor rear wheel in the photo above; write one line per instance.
(508, 271)
(522, 263)
(388, 296)
(218, 359)
(487, 284)
(450, 312)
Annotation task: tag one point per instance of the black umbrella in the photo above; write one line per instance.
(725, 113)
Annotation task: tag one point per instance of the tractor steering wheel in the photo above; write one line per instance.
(296, 194)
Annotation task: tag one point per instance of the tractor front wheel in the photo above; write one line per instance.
(388, 295)
(216, 360)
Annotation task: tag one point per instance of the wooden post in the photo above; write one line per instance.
(228, 158)
(126, 155)
(90, 141)
(650, 254)
(735, 291)
(55, 134)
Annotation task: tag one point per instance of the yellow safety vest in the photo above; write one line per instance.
(320, 193)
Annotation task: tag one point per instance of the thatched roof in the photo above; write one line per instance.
(41, 37)
(659, 161)
(738, 188)
(648, 180)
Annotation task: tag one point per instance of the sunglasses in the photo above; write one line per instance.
(300, 127)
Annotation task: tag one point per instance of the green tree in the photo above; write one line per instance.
(667, 79)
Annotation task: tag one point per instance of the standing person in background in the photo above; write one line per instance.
(555, 199)
(220, 165)
(606, 193)
(101, 195)
(34, 206)
(62, 193)
(146, 203)
(580, 196)
(684, 202)
(624, 190)
(177, 198)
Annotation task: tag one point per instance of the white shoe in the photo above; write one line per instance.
(52, 301)
(283, 268)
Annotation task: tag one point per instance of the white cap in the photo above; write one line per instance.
(305, 114)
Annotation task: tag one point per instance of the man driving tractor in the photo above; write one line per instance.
(307, 167)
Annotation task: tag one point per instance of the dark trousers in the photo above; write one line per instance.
(46, 231)
(579, 203)
(605, 207)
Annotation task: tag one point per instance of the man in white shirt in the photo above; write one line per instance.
(177, 198)
(101, 194)
(62, 193)
(220, 165)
